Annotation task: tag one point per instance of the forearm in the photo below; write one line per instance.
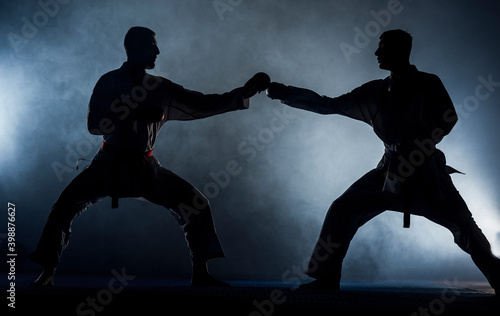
(309, 100)
(221, 103)
(190, 105)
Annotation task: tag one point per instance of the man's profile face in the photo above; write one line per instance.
(145, 52)
(389, 55)
(384, 56)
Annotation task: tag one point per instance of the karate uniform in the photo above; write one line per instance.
(125, 166)
(410, 114)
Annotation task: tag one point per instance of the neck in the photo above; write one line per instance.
(135, 67)
(400, 71)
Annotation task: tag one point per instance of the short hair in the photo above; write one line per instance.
(399, 38)
(136, 37)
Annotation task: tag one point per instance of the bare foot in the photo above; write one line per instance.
(201, 276)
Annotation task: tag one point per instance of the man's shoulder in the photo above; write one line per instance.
(108, 79)
(120, 76)
(158, 79)
(426, 77)
(428, 81)
(375, 84)
(113, 74)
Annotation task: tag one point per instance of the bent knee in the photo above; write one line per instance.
(199, 201)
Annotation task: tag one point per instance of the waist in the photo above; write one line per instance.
(123, 151)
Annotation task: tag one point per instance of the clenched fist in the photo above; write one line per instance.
(278, 91)
(258, 83)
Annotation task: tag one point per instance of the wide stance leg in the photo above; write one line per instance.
(79, 195)
(192, 211)
(365, 199)
(360, 203)
(454, 214)
(189, 207)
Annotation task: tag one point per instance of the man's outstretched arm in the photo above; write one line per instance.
(190, 105)
(355, 104)
(300, 98)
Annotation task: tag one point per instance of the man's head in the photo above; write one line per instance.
(141, 48)
(394, 49)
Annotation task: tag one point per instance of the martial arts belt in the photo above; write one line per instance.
(394, 183)
(431, 169)
(131, 164)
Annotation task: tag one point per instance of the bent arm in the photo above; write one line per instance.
(446, 117)
(99, 121)
(435, 115)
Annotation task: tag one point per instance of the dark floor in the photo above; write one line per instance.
(111, 295)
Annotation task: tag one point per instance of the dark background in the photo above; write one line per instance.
(269, 215)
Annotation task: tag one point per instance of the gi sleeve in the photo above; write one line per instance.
(444, 116)
(432, 113)
(183, 104)
(355, 104)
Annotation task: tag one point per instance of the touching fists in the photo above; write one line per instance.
(258, 83)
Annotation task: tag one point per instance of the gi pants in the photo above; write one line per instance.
(365, 200)
(139, 176)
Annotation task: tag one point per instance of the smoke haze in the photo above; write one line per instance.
(293, 163)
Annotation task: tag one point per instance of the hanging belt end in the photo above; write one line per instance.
(406, 220)
(114, 202)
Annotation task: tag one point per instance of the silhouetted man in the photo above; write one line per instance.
(128, 107)
(411, 112)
